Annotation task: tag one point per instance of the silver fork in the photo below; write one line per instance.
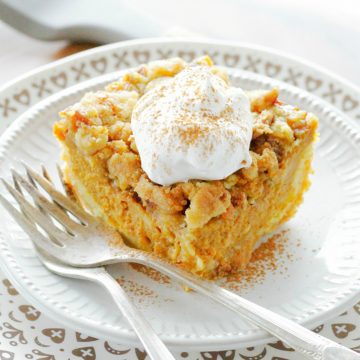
(152, 343)
(87, 246)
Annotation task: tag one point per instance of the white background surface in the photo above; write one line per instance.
(324, 32)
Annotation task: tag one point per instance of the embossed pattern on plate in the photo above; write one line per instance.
(18, 95)
(321, 280)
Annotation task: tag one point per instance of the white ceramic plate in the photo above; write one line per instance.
(321, 280)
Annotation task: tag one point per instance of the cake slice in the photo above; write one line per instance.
(207, 227)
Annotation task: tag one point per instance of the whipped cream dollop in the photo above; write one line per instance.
(192, 126)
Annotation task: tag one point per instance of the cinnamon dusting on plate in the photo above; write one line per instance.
(139, 291)
(269, 257)
(151, 273)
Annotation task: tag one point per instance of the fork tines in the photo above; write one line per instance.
(41, 211)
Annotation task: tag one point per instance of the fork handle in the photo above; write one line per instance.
(154, 347)
(306, 342)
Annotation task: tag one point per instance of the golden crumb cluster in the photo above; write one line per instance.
(207, 227)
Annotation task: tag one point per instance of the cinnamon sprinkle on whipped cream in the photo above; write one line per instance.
(192, 126)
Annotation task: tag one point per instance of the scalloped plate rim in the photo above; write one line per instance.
(178, 41)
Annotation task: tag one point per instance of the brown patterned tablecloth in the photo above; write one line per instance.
(26, 333)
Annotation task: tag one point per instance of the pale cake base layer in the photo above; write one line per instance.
(224, 245)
